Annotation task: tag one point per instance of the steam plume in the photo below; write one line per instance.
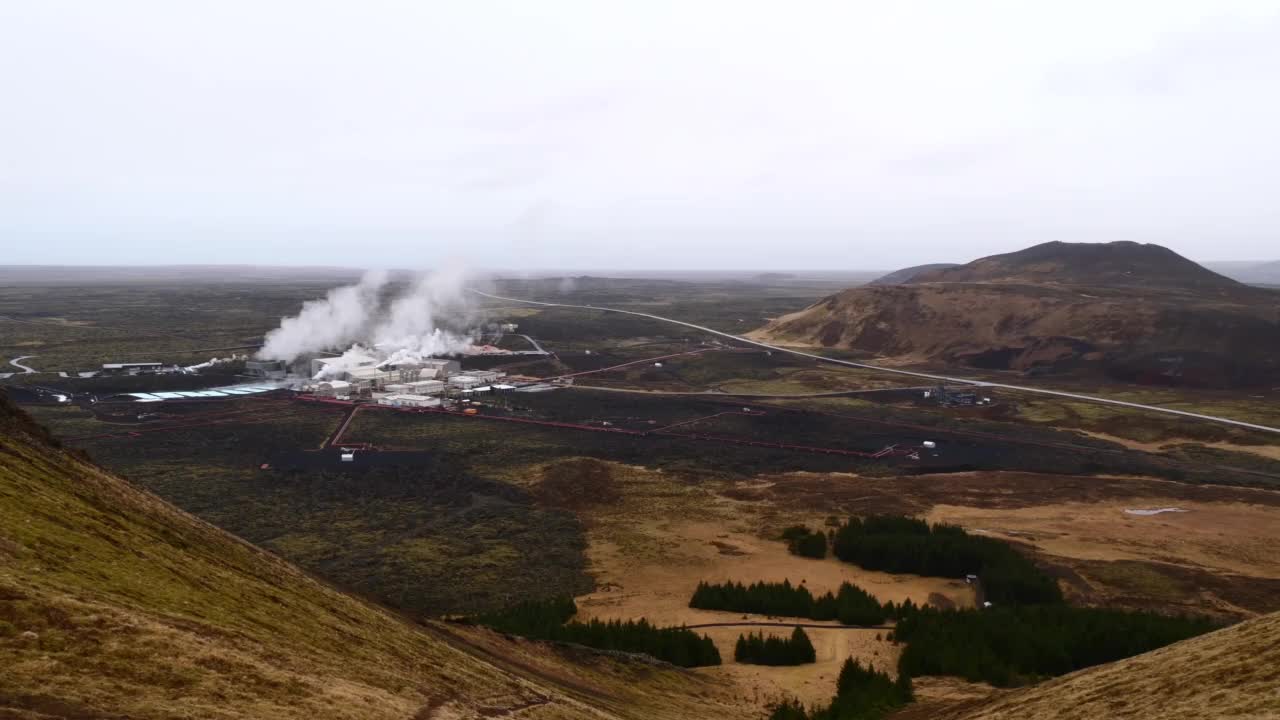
(336, 321)
(431, 318)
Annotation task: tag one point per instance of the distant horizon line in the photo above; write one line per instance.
(544, 269)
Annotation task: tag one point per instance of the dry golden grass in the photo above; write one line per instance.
(115, 604)
(663, 533)
(811, 684)
(1229, 537)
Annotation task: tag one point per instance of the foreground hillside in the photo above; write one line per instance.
(114, 604)
(1137, 312)
(1234, 672)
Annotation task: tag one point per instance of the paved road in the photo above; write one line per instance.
(760, 396)
(896, 371)
(537, 346)
(17, 362)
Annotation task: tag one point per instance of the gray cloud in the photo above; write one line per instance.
(575, 134)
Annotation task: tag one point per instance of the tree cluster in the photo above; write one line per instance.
(861, 694)
(548, 620)
(906, 545)
(851, 605)
(757, 649)
(805, 542)
(1014, 645)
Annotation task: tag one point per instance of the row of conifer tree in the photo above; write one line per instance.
(757, 649)
(549, 620)
(896, 544)
(850, 605)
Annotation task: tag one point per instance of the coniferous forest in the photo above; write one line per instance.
(1029, 634)
(861, 694)
(805, 542)
(548, 620)
(851, 605)
(757, 649)
(906, 545)
(1008, 646)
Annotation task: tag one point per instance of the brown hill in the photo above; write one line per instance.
(1115, 264)
(1163, 320)
(114, 604)
(1234, 672)
(898, 277)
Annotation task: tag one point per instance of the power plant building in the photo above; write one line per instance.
(360, 366)
(265, 368)
(409, 400)
(334, 389)
(419, 387)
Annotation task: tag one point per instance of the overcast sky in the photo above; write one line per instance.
(665, 135)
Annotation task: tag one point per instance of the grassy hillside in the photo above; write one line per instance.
(1234, 672)
(115, 604)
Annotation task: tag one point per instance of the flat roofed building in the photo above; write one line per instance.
(409, 400)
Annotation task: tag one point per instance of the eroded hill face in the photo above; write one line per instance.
(1139, 312)
(115, 604)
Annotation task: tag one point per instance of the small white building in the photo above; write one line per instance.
(333, 388)
(465, 382)
(408, 400)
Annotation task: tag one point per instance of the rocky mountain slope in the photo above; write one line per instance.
(114, 604)
(1233, 672)
(897, 277)
(1138, 312)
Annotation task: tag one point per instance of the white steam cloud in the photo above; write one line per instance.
(431, 318)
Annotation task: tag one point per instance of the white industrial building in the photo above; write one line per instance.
(474, 378)
(339, 367)
(437, 368)
(372, 377)
(369, 369)
(409, 400)
(334, 389)
(418, 387)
